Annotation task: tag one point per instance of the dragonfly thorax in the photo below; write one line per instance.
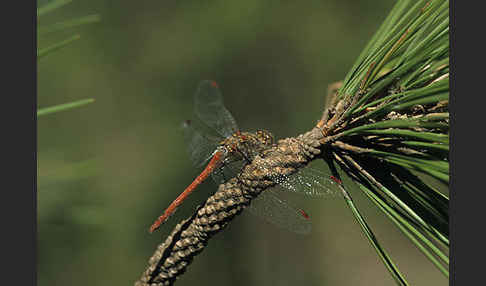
(247, 145)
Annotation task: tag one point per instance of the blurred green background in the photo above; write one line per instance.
(108, 169)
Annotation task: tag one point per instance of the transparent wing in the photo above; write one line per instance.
(210, 109)
(277, 211)
(199, 147)
(228, 170)
(309, 182)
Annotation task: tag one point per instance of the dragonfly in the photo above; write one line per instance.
(218, 143)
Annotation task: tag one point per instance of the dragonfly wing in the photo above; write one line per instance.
(210, 109)
(309, 182)
(228, 170)
(199, 146)
(277, 211)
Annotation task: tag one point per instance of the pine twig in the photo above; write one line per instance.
(191, 236)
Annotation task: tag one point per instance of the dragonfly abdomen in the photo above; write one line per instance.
(217, 157)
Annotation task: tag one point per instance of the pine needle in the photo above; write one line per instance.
(390, 121)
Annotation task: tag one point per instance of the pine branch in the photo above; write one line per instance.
(385, 124)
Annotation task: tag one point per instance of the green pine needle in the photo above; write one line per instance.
(42, 52)
(68, 24)
(386, 259)
(390, 122)
(48, 50)
(51, 7)
(408, 229)
(64, 106)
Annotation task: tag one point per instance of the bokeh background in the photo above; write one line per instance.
(108, 169)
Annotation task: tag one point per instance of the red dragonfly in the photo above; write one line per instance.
(218, 140)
